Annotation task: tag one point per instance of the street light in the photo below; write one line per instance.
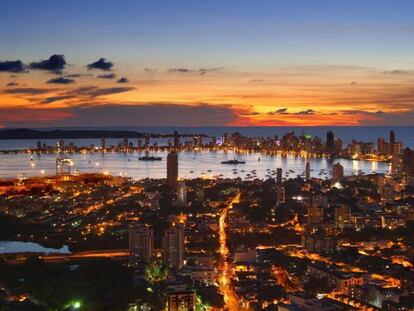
(76, 305)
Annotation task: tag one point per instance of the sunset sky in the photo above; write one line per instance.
(206, 63)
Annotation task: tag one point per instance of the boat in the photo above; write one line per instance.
(233, 162)
(149, 158)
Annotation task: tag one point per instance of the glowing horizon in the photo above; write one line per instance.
(207, 64)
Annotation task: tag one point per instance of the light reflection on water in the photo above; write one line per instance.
(191, 165)
(8, 247)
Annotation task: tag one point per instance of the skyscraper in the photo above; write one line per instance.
(382, 146)
(307, 170)
(172, 169)
(176, 140)
(103, 144)
(279, 175)
(174, 246)
(280, 195)
(330, 141)
(342, 216)
(315, 216)
(392, 142)
(181, 193)
(146, 140)
(141, 243)
(337, 172)
(408, 162)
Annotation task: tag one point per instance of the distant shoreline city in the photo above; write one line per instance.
(304, 145)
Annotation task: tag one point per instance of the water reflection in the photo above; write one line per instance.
(191, 165)
(9, 247)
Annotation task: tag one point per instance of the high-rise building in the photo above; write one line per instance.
(181, 193)
(280, 195)
(199, 193)
(147, 140)
(103, 144)
(396, 167)
(408, 162)
(172, 169)
(342, 216)
(125, 144)
(176, 140)
(174, 246)
(320, 200)
(337, 172)
(398, 146)
(330, 141)
(141, 244)
(181, 300)
(279, 173)
(307, 171)
(382, 146)
(392, 142)
(338, 145)
(315, 216)
(318, 243)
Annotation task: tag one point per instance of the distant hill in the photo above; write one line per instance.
(57, 134)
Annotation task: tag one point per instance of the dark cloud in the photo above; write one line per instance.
(307, 111)
(85, 94)
(387, 118)
(12, 66)
(73, 75)
(353, 83)
(55, 63)
(201, 71)
(61, 80)
(123, 80)
(12, 84)
(150, 69)
(27, 91)
(77, 75)
(166, 114)
(94, 91)
(101, 64)
(278, 111)
(399, 72)
(181, 70)
(107, 76)
(253, 113)
(284, 111)
(53, 99)
(256, 81)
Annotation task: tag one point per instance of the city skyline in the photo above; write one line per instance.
(208, 155)
(212, 63)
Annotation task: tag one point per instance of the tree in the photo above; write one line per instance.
(156, 271)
